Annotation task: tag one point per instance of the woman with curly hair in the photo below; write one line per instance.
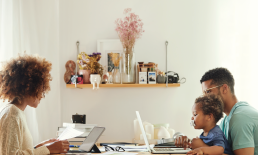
(23, 82)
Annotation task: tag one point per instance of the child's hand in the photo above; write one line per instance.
(197, 151)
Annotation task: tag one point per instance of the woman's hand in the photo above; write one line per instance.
(46, 142)
(58, 147)
(197, 151)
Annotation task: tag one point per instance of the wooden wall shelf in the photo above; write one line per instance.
(122, 85)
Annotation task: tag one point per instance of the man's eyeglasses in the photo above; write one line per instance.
(207, 91)
(118, 149)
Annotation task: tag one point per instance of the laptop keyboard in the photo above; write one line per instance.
(163, 149)
(76, 151)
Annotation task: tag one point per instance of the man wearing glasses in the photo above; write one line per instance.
(240, 124)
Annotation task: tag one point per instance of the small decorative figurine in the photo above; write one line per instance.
(95, 79)
(70, 67)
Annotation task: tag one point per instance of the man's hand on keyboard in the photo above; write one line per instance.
(183, 141)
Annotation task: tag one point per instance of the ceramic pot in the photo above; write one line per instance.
(161, 79)
(95, 79)
(86, 76)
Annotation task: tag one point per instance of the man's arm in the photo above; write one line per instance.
(241, 135)
(208, 150)
(212, 150)
(245, 151)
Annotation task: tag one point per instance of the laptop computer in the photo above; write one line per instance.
(159, 150)
(88, 145)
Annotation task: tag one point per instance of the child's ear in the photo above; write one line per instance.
(210, 117)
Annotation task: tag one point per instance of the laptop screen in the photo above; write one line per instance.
(91, 138)
(143, 131)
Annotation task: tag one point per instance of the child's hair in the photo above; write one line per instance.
(211, 104)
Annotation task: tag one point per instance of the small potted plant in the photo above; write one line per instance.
(88, 64)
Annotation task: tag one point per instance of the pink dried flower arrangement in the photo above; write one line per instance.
(129, 29)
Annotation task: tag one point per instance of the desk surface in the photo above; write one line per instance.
(139, 153)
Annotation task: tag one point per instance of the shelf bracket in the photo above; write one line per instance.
(166, 43)
(77, 44)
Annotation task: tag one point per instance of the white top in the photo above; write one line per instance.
(15, 137)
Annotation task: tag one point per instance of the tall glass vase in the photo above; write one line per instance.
(128, 66)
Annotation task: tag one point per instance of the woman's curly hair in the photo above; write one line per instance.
(211, 104)
(24, 76)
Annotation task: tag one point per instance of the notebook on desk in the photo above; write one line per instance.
(88, 145)
(158, 150)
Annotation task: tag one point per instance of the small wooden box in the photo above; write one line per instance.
(147, 67)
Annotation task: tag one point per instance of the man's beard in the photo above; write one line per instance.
(219, 94)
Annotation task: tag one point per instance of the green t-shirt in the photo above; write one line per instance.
(241, 127)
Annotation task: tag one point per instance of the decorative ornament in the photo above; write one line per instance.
(70, 67)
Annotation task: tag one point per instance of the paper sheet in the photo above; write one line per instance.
(132, 147)
(118, 153)
(129, 147)
(136, 148)
(69, 132)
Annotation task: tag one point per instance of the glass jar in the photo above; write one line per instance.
(116, 76)
(128, 66)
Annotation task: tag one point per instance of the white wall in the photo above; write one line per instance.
(186, 25)
(192, 29)
(202, 35)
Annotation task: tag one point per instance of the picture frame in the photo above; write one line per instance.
(152, 77)
(110, 64)
(142, 77)
(105, 46)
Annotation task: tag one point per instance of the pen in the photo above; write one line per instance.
(74, 145)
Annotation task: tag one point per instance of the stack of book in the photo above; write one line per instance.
(85, 128)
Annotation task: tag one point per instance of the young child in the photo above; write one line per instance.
(207, 111)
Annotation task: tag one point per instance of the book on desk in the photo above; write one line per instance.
(79, 125)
